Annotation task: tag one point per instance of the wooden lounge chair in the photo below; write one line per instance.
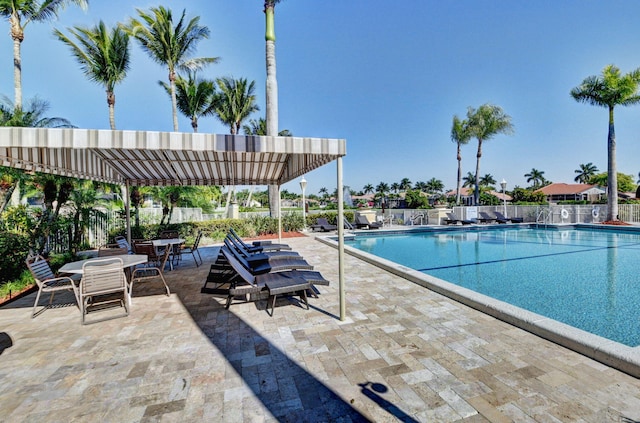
(485, 218)
(500, 218)
(363, 223)
(454, 220)
(323, 225)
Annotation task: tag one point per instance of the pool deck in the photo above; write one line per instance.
(404, 353)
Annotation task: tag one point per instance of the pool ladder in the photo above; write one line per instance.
(544, 217)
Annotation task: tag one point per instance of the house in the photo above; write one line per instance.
(572, 192)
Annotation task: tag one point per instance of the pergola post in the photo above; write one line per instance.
(127, 209)
(340, 224)
(279, 216)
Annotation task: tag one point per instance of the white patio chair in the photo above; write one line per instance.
(142, 274)
(47, 281)
(103, 285)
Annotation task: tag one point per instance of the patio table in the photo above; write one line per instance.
(167, 243)
(128, 260)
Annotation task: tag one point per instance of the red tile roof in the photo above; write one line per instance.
(564, 189)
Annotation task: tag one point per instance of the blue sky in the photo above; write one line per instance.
(386, 76)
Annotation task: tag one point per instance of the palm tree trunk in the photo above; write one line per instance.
(272, 98)
(17, 35)
(459, 176)
(476, 193)
(612, 185)
(174, 101)
(111, 101)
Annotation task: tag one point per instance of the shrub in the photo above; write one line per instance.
(14, 249)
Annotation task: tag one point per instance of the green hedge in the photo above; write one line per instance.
(14, 249)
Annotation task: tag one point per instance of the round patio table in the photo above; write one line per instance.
(128, 260)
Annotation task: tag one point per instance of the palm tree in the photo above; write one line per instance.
(536, 176)
(271, 91)
(194, 96)
(421, 186)
(585, 173)
(20, 13)
(610, 90)
(324, 192)
(461, 136)
(30, 116)
(469, 181)
(235, 102)
(103, 56)
(405, 184)
(170, 45)
(259, 127)
(487, 180)
(395, 187)
(434, 186)
(484, 123)
(367, 189)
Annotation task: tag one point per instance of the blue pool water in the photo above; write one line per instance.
(585, 278)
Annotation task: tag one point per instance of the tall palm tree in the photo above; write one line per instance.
(536, 176)
(324, 192)
(485, 122)
(421, 186)
(461, 136)
(259, 127)
(368, 189)
(170, 45)
(487, 180)
(32, 115)
(405, 184)
(103, 55)
(235, 102)
(271, 91)
(194, 96)
(610, 90)
(20, 13)
(434, 186)
(585, 173)
(395, 187)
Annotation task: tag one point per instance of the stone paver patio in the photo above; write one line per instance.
(403, 354)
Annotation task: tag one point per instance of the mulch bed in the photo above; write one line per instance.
(15, 295)
(616, 223)
(293, 234)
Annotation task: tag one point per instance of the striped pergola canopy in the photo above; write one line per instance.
(145, 158)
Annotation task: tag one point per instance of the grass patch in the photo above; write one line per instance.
(10, 289)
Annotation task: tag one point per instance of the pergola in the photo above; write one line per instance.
(146, 158)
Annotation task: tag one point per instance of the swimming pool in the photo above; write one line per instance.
(585, 278)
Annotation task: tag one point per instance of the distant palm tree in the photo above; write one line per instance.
(103, 56)
(585, 173)
(405, 184)
(194, 96)
(461, 136)
(420, 186)
(484, 123)
(536, 176)
(32, 115)
(469, 181)
(434, 186)
(20, 13)
(487, 180)
(235, 102)
(610, 90)
(169, 44)
(395, 187)
(367, 189)
(323, 192)
(259, 127)
(382, 188)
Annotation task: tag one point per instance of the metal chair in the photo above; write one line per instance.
(193, 249)
(152, 272)
(47, 281)
(103, 285)
(110, 250)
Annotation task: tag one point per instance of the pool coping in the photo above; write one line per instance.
(611, 353)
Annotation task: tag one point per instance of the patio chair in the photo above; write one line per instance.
(110, 250)
(47, 281)
(258, 246)
(323, 225)
(262, 255)
(123, 243)
(452, 219)
(151, 271)
(362, 222)
(485, 218)
(148, 249)
(193, 249)
(103, 286)
(269, 285)
(500, 218)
